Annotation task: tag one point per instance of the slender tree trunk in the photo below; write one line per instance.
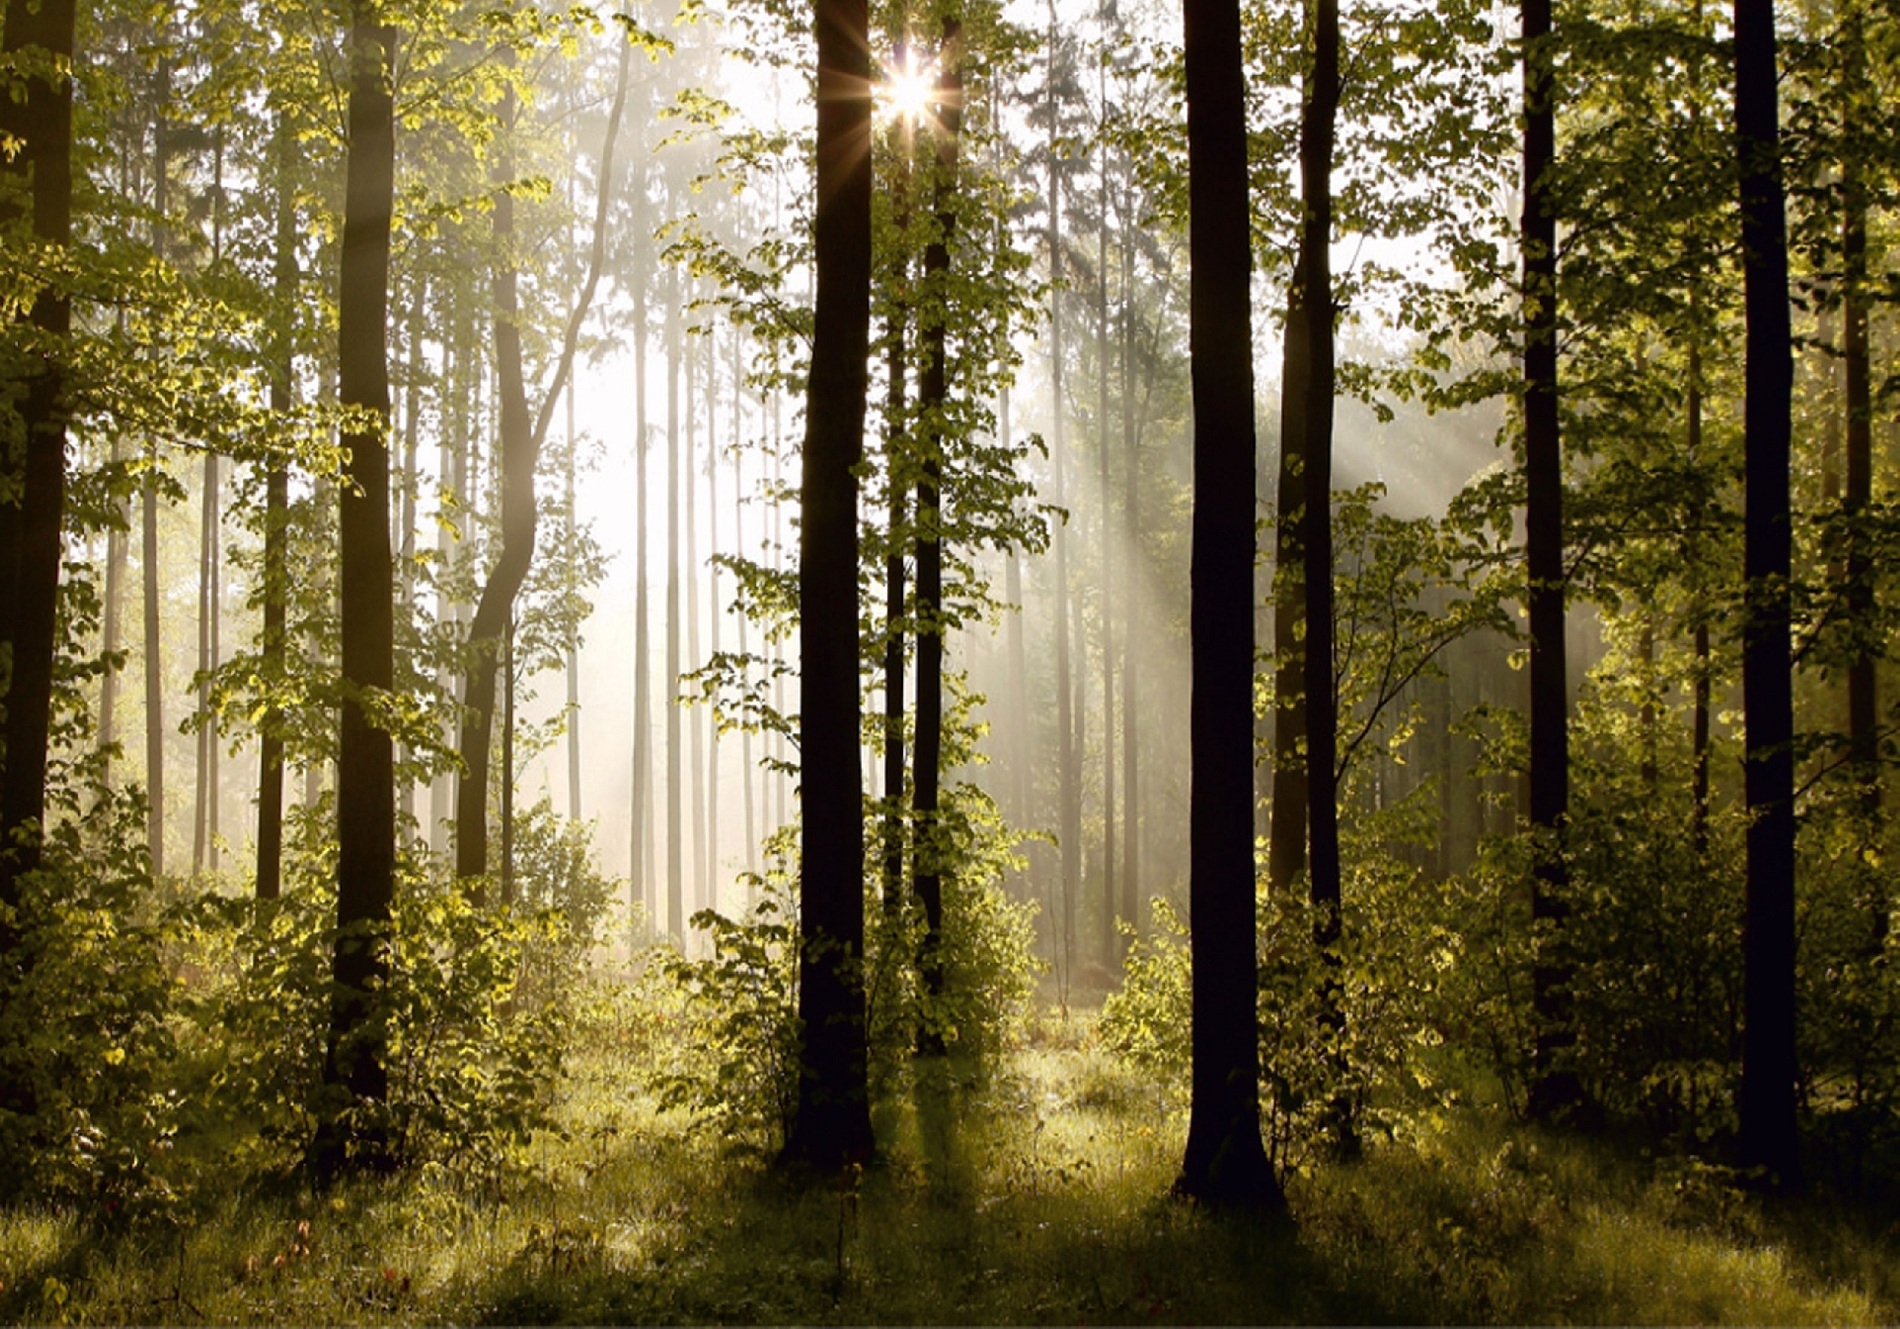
(366, 807)
(405, 532)
(932, 856)
(1322, 700)
(113, 612)
(1131, 658)
(675, 791)
(748, 771)
(39, 119)
(1554, 1088)
(573, 645)
(1110, 899)
(713, 612)
(1863, 701)
(832, 1124)
(1766, 1103)
(203, 813)
(896, 518)
(640, 810)
(692, 717)
(1069, 785)
(1286, 845)
(521, 438)
(1225, 1162)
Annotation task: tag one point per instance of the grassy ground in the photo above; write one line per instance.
(1037, 1198)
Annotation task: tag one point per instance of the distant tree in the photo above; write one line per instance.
(832, 1123)
(1766, 1104)
(1225, 1161)
(522, 437)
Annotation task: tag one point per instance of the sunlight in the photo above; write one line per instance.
(909, 90)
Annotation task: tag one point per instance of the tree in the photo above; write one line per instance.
(1554, 1088)
(932, 403)
(38, 190)
(521, 441)
(1225, 1162)
(1766, 1103)
(354, 1071)
(832, 1124)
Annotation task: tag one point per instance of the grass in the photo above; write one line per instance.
(1039, 1197)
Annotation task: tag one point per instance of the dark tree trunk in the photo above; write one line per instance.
(1225, 1162)
(893, 866)
(932, 857)
(832, 1124)
(1766, 1103)
(1316, 528)
(348, 1135)
(1286, 843)
(40, 120)
(1863, 701)
(1554, 1086)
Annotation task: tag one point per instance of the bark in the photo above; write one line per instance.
(1286, 844)
(1225, 1162)
(1069, 783)
(932, 858)
(640, 808)
(39, 118)
(1109, 898)
(675, 785)
(692, 716)
(1554, 1087)
(1766, 1103)
(354, 1071)
(1131, 522)
(831, 1127)
(1863, 701)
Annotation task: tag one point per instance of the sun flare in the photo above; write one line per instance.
(909, 91)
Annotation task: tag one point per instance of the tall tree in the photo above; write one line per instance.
(1554, 1087)
(932, 404)
(354, 1071)
(36, 180)
(1766, 1104)
(276, 569)
(1225, 1161)
(832, 1122)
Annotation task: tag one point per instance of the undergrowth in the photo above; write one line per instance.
(1034, 1193)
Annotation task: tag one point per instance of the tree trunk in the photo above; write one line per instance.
(1316, 528)
(1069, 784)
(521, 440)
(1286, 844)
(640, 807)
(1863, 702)
(1225, 1162)
(1554, 1087)
(366, 808)
(1110, 899)
(832, 1125)
(893, 865)
(932, 856)
(675, 790)
(1766, 1103)
(691, 716)
(39, 119)
(1131, 559)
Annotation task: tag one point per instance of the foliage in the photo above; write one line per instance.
(87, 1110)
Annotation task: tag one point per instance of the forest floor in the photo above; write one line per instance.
(1038, 1198)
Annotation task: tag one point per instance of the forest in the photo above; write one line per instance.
(949, 661)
